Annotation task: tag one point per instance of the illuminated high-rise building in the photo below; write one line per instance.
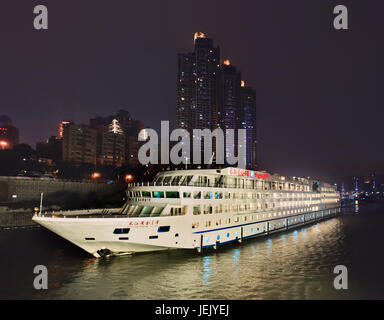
(248, 121)
(62, 125)
(79, 144)
(113, 145)
(9, 135)
(196, 85)
(212, 95)
(229, 96)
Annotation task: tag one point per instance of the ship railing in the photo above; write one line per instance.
(207, 185)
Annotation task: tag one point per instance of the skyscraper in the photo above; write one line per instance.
(196, 85)
(212, 95)
(248, 122)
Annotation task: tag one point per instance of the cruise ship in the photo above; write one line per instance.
(197, 209)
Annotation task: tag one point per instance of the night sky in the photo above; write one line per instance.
(319, 90)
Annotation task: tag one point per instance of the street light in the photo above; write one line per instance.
(128, 177)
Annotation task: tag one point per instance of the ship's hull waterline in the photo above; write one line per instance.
(92, 236)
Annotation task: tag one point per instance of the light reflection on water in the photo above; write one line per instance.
(297, 264)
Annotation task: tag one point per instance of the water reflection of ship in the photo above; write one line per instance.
(183, 274)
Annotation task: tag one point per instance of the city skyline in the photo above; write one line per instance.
(318, 99)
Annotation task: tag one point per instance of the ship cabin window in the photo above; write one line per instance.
(197, 195)
(186, 180)
(163, 229)
(176, 180)
(167, 180)
(137, 193)
(136, 212)
(186, 194)
(172, 194)
(226, 195)
(237, 219)
(207, 195)
(176, 211)
(156, 211)
(218, 195)
(159, 179)
(250, 184)
(157, 194)
(207, 209)
(203, 180)
(219, 180)
(219, 209)
(208, 223)
(121, 231)
(146, 211)
(196, 210)
(146, 194)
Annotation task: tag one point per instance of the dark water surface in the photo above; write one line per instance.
(297, 264)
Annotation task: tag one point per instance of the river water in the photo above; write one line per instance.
(297, 264)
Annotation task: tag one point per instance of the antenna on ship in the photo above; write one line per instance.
(41, 202)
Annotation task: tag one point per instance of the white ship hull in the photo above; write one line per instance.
(176, 218)
(95, 235)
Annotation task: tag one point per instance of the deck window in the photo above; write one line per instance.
(196, 210)
(186, 180)
(172, 194)
(146, 194)
(156, 211)
(167, 179)
(207, 195)
(146, 211)
(137, 193)
(197, 195)
(218, 195)
(158, 194)
(186, 194)
(137, 210)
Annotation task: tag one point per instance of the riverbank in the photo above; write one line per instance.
(15, 220)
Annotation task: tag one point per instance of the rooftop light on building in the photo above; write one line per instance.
(198, 35)
(242, 83)
(227, 62)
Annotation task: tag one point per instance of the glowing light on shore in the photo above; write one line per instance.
(3, 144)
(95, 175)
